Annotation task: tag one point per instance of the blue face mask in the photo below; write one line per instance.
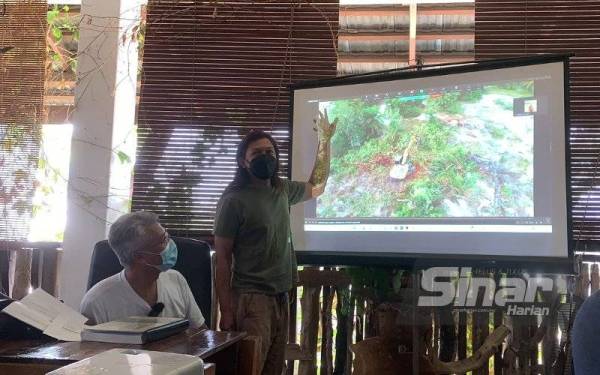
(168, 256)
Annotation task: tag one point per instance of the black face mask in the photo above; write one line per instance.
(263, 166)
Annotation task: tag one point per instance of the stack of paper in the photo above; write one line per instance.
(135, 362)
(46, 313)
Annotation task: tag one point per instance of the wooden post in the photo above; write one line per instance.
(498, 321)
(327, 332)
(341, 337)
(522, 328)
(37, 264)
(550, 344)
(481, 321)
(292, 326)
(583, 282)
(412, 45)
(416, 332)
(4, 270)
(462, 335)
(595, 277)
(370, 320)
(310, 328)
(21, 259)
(214, 301)
(359, 317)
(509, 357)
(50, 259)
(447, 335)
(479, 335)
(435, 331)
(249, 356)
(349, 331)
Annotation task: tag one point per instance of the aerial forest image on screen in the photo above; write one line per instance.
(451, 153)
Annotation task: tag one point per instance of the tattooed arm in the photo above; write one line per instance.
(318, 178)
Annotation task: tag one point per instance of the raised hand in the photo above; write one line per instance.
(325, 128)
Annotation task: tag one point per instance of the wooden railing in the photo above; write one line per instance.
(29, 265)
(329, 316)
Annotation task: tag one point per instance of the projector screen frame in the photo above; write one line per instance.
(563, 265)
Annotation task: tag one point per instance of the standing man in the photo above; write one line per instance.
(256, 267)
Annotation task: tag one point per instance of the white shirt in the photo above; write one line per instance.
(113, 298)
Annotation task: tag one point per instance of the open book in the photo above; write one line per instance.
(134, 330)
(46, 313)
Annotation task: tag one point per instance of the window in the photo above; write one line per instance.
(525, 27)
(211, 72)
(21, 107)
(50, 198)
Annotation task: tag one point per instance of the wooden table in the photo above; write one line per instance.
(38, 357)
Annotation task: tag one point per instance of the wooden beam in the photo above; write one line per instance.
(412, 42)
(316, 278)
(69, 84)
(374, 11)
(374, 36)
(59, 114)
(447, 59)
(372, 58)
(446, 11)
(249, 356)
(402, 58)
(60, 85)
(293, 352)
(210, 369)
(58, 100)
(451, 35)
(403, 11)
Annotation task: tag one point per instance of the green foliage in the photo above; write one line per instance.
(123, 157)
(506, 192)
(326, 210)
(59, 23)
(361, 123)
(514, 89)
(451, 171)
(448, 103)
(423, 200)
(496, 133)
(404, 108)
(57, 33)
(504, 104)
(472, 96)
(362, 207)
(376, 283)
(373, 135)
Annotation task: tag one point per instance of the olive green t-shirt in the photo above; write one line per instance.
(258, 220)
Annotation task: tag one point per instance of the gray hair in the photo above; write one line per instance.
(128, 232)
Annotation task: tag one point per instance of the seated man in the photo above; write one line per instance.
(147, 285)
